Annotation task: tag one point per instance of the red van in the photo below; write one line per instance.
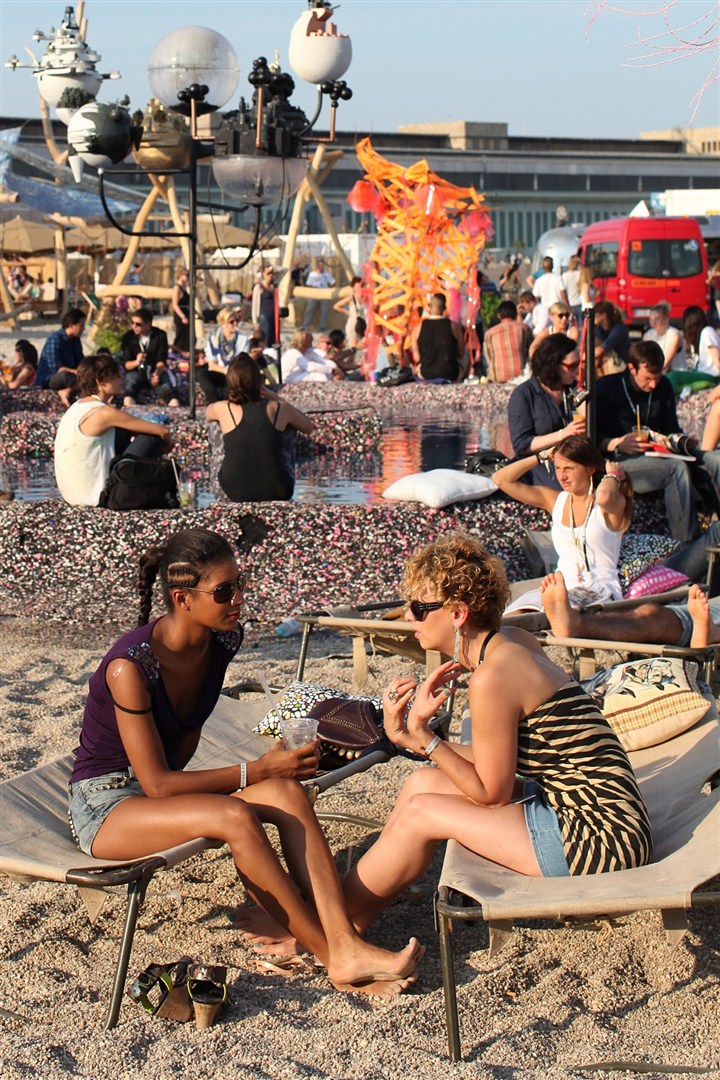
(637, 262)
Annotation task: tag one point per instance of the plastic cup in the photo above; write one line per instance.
(579, 415)
(299, 731)
(187, 492)
(642, 433)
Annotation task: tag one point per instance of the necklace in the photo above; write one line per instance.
(579, 535)
(632, 407)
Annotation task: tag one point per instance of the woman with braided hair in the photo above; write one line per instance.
(130, 794)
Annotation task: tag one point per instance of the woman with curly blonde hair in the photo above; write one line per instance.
(544, 787)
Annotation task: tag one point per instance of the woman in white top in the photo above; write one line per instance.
(302, 363)
(571, 285)
(667, 337)
(702, 342)
(589, 516)
(353, 307)
(92, 432)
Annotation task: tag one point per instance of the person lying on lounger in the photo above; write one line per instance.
(544, 788)
(130, 794)
(695, 624)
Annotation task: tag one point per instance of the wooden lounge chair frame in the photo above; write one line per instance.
(474, 889)
(46, 852)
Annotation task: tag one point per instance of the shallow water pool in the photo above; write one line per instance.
(407, 447)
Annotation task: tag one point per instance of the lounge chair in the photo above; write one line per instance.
(389, 633)
(686, 829)
(36, 844)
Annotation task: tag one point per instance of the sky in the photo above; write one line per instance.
(537, 66)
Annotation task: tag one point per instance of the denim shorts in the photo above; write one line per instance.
(92, 800)
(544, 829)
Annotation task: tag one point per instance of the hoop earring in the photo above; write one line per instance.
(456, 651)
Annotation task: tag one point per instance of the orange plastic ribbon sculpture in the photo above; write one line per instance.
(430, 235)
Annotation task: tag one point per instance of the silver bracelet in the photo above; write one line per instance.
(243, 776)
(431, 746)
(612, 476)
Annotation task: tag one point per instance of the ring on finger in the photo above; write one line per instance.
(393, 695)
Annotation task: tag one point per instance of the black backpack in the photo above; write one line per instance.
(485, 462)
(140, 484)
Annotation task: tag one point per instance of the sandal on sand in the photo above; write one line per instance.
(286, 965)
(161, 990)
(207, 987)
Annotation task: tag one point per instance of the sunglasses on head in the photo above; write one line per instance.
(419, 609)
(223, 594)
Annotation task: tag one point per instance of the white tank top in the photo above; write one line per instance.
(82, 462)
(588, 555)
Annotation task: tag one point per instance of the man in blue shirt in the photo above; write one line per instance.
(61, 354)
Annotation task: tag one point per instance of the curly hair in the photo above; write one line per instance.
(181, 563)
(456, 567)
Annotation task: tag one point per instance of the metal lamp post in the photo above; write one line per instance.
(258, 153)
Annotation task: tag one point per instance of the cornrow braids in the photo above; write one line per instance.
(180, 564)
(148, 572)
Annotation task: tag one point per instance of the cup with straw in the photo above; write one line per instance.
(643, 433)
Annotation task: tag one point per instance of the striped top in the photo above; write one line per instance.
(570, 750)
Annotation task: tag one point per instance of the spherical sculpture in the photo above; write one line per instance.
(100, 134)
(317, 52)
(193, 55)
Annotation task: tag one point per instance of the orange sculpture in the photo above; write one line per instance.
(430, 235)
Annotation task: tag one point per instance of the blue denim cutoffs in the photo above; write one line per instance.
(544, 829)
(92, 800)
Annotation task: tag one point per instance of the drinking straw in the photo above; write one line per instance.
(268, 692)
(177, 475)
(637, 414)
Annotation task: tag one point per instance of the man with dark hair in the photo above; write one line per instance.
(92, 432)
(60, 356)
(507, 345)
(535, 314)
(438, 345)
(144, 350)
(635, 408)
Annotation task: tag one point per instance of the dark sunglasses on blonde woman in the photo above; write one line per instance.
(419, 609)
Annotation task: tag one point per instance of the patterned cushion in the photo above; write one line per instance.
(639, 551)
(298, 700)
(647, 702)
(655, 579)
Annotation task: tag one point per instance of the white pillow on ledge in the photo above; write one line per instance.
(440, 487)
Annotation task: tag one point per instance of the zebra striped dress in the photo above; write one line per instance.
(571, 751)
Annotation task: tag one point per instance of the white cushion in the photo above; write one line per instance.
(440, 487)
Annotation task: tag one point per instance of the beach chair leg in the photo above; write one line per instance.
(136, 895)
(304, 642)
(676, 925)
(443, 924)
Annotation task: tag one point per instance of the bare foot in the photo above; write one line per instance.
(705, 632)
(265, 934)
(564, 622)
(365, 967)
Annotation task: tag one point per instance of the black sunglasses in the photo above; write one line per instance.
(223, 594)
(419, 609)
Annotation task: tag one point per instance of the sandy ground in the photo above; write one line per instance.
(551, 1004)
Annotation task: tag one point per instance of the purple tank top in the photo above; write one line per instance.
(101, 749)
